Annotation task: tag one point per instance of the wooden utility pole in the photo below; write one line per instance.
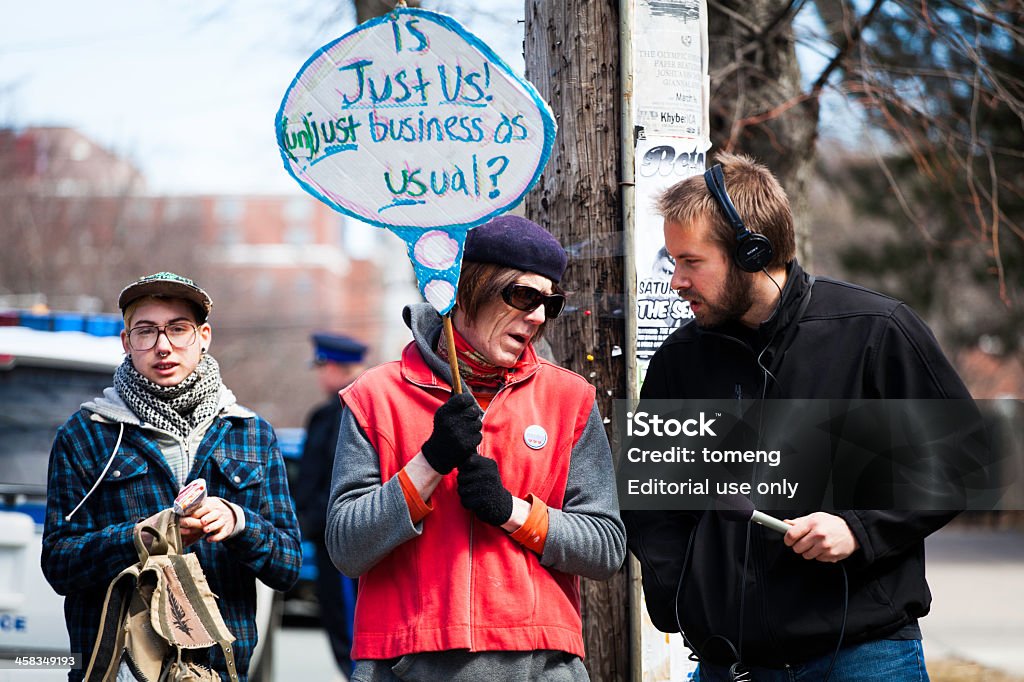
(368, 9)
(572, 57)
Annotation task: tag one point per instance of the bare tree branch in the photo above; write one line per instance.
(844, 49)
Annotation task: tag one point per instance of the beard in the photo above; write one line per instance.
(735, 301)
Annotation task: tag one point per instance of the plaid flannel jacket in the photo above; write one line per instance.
(241, 462)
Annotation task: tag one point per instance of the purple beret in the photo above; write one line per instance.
(515, 242)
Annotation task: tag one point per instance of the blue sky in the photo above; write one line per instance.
(187, 90)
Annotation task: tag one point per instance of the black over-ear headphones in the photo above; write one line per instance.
(753, 251)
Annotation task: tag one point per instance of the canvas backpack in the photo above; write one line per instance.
(159, 615)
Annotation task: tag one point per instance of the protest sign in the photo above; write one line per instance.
(410, 123)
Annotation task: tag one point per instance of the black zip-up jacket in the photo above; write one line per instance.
(848, 342)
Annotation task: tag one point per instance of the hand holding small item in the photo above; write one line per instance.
(188, 501)
(200, 516)
(214, 519)
(211, 517)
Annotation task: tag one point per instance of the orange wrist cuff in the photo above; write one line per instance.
(534, 531)
(417, 507)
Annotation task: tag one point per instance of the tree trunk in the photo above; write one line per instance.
(572, 57)
(369, 9)
(757, 103)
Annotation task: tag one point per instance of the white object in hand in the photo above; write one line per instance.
(190, 497)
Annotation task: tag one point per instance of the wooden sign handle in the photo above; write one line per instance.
(449, 334)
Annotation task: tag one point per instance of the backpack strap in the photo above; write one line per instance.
(225, 646)
(166, 533)
(112, 636)
(110, 639)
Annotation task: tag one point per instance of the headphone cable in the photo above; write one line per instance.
(767, 373)
(737, 671)
(743, 592)
(842, 626)
(679, 587)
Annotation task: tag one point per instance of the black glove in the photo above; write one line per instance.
(482, 492)
(457, 433)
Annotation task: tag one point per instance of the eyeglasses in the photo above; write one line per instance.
(522, 297)
(180, 334)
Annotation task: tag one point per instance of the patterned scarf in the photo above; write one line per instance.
(475, 370)
(176, 409)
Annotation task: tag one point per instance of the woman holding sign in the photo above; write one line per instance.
(469, 517)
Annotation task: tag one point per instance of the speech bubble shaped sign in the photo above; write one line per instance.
(411, 123)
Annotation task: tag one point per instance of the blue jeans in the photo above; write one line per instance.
(883, 660)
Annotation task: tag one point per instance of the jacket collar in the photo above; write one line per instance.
(798, 286)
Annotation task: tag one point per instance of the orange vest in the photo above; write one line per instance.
(464, 584)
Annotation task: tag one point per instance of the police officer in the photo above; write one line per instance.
(338, 361)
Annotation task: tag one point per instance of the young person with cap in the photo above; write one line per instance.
(338, 360)
(838, 595)
(124, 456)
(468, 518)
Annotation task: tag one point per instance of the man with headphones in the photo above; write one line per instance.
(839, 595)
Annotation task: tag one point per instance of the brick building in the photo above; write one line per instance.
(77, 225)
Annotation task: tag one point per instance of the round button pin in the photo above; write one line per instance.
(535, 437)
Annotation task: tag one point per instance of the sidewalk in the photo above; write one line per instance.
(976, 577)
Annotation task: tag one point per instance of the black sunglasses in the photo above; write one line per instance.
(522, 297)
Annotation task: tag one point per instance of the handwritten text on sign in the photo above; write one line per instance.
(408, 121)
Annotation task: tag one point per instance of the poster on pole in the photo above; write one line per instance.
(660, 163)
(411, 123)
(670, 82)
(670, 79)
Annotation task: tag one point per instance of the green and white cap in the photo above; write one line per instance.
(168, 285)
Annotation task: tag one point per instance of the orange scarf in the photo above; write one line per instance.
(476, 370)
